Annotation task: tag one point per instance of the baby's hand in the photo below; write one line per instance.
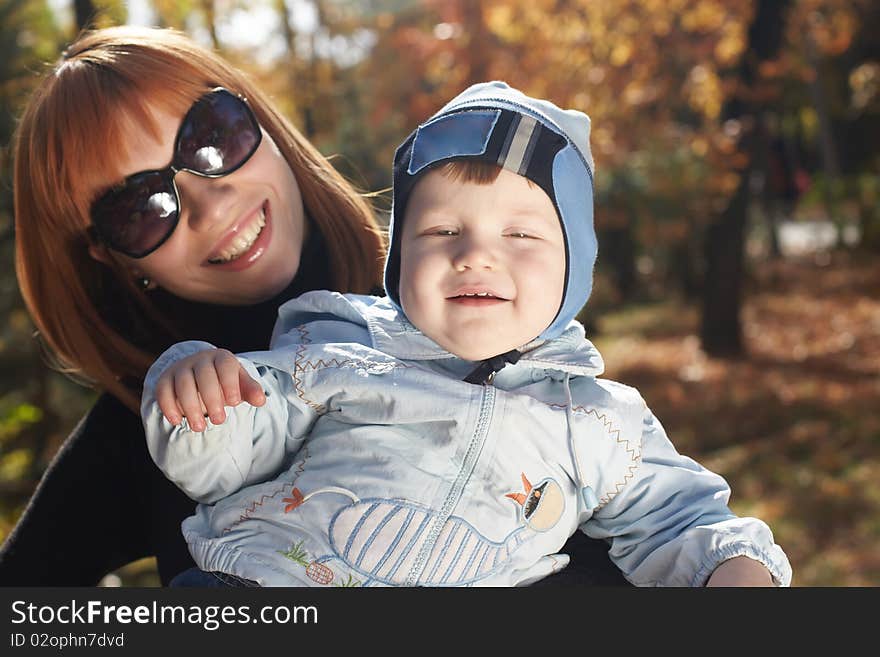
(200, 385)
(740, 571)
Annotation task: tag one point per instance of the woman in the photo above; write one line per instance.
(159, 196)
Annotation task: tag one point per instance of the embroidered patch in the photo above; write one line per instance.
(295, 499)
(319, 573)
(316, 570)
(378, 538)
(541, 506)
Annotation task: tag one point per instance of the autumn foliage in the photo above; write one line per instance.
(706, 115)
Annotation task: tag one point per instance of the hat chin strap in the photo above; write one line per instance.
(485, 371)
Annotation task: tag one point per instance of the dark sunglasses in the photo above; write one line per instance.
(217, 136)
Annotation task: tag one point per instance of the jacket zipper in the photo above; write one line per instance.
(487, 405)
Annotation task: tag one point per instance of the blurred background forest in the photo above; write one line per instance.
(737, 203)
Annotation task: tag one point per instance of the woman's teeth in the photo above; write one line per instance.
(243, 241)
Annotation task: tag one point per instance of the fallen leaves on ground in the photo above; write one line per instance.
(794, 425)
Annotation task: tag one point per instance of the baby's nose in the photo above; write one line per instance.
(474, 253)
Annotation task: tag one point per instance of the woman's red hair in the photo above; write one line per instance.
(74, 124)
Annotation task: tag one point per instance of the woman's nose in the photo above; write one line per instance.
(204, 201)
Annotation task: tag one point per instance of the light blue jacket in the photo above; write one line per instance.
(373, 463)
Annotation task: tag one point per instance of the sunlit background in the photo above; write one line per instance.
(737, 204)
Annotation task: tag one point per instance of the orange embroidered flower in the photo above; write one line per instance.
(294, 501)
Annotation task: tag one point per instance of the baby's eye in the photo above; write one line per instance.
(444, 231)
(520, 234)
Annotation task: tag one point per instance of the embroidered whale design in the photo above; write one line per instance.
(379, 539)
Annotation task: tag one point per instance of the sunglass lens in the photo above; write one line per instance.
(218, 135)
(139, 216)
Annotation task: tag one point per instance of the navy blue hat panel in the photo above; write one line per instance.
(452, 135)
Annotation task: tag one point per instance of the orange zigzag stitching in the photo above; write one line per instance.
(636, 456)
(253, 507)
(300, 468)
(301, 366)
(298, 368)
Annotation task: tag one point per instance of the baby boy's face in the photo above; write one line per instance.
(482, 266)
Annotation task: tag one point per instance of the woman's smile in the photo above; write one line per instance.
(245, 243)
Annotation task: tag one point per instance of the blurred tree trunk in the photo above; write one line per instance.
(475, 28)
(312, 77)
(685, 268)
(830, 162)
(85, 14)
(721, 324)
(619, 252)
(300, 76)
(771, 177)
(210, 20)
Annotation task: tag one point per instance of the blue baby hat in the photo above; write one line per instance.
(493, 122)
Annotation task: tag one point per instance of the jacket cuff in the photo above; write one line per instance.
(778, 565)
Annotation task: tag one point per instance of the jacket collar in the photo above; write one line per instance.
(393, 334)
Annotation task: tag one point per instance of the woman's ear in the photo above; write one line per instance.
(103, 255)
(99, 252)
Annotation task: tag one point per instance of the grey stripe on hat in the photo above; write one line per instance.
(516, 156)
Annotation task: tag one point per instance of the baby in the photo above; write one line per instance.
(455, 432)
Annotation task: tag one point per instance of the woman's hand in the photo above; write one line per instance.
(200, 385)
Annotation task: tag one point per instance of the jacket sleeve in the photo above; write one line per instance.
(250, 446)
(670, 525)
